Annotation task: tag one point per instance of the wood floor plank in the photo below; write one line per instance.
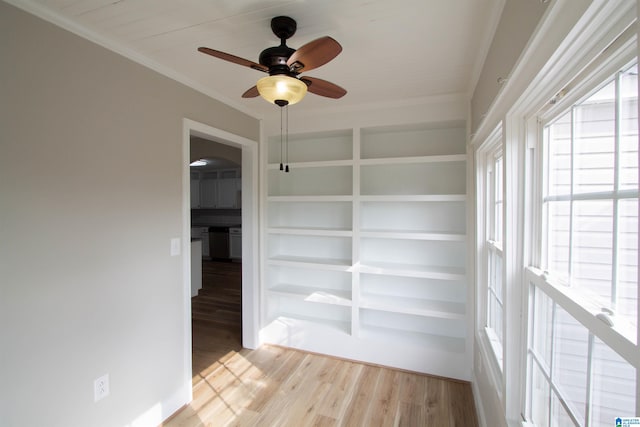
(323, 421)
(437, 401)
(461, 405)
(385, 407)
(410, 415)
(276, 375)
(361, 402)
(344, 378)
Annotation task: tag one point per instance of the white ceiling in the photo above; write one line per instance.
(393, 51)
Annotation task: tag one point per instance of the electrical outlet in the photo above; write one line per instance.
(101, 387)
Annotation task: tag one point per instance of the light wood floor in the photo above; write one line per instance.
(275, 386)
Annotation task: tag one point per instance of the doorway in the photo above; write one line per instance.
(216, 273)
(247, 270)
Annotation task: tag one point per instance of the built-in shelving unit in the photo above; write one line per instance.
(366, 245)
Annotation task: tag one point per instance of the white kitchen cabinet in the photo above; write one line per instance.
(208, 190)
(228, 189)
(218, 189)
(195, 189)
(366, 246)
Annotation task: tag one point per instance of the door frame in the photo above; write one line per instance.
(250, 234)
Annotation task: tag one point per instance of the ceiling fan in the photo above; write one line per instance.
(284, 86)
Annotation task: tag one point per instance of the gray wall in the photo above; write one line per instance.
(518, 21)
(90, 196)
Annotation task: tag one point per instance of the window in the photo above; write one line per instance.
(491, 282)
(495, 291)
(574, 377)
(591, 201)
(583, 356)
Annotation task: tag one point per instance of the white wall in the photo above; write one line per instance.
(90, 196)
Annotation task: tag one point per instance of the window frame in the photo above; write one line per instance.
(564, 45)
(583, 309)
(490, 344)
(603, 77)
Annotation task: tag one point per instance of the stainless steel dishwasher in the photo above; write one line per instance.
(219, 242)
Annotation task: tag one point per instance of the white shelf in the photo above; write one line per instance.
(319, 164)
(318, 146)
(311, 231)
(293, 324)
(421, 218)
(413, 270)
(410, 160)
(414, 198)
(391, 336)
(324, 263)
(318, 199)
(414, 306)
(313, 294)
(322, 180)
(413, 235)
(413, 178)
(413, 140)
(349, 233)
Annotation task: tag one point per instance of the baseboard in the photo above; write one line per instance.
(477, 400)
(162, 411)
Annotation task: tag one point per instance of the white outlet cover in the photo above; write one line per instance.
(101, 387)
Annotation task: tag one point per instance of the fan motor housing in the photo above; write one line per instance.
(275, 58)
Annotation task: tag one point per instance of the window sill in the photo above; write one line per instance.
(490, 361)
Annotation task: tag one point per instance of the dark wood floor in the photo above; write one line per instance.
(216, 314)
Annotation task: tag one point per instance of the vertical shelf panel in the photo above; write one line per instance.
(418, 217)
(410, 287)
(313, 147)
(310, 215)
(414, 179)
(402, 329)
(295, 313)
(419, 254)
(316, 181)
(410, 295)
(414, 141)
(310, 249)
(314, 285)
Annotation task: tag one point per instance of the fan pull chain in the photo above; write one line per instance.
(281, 138)
(287, 139)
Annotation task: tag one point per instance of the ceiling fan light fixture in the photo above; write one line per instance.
(281, 87)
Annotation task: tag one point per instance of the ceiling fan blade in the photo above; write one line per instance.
(234, 59)
(251, 92)
(323, 87)
(314, 54)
